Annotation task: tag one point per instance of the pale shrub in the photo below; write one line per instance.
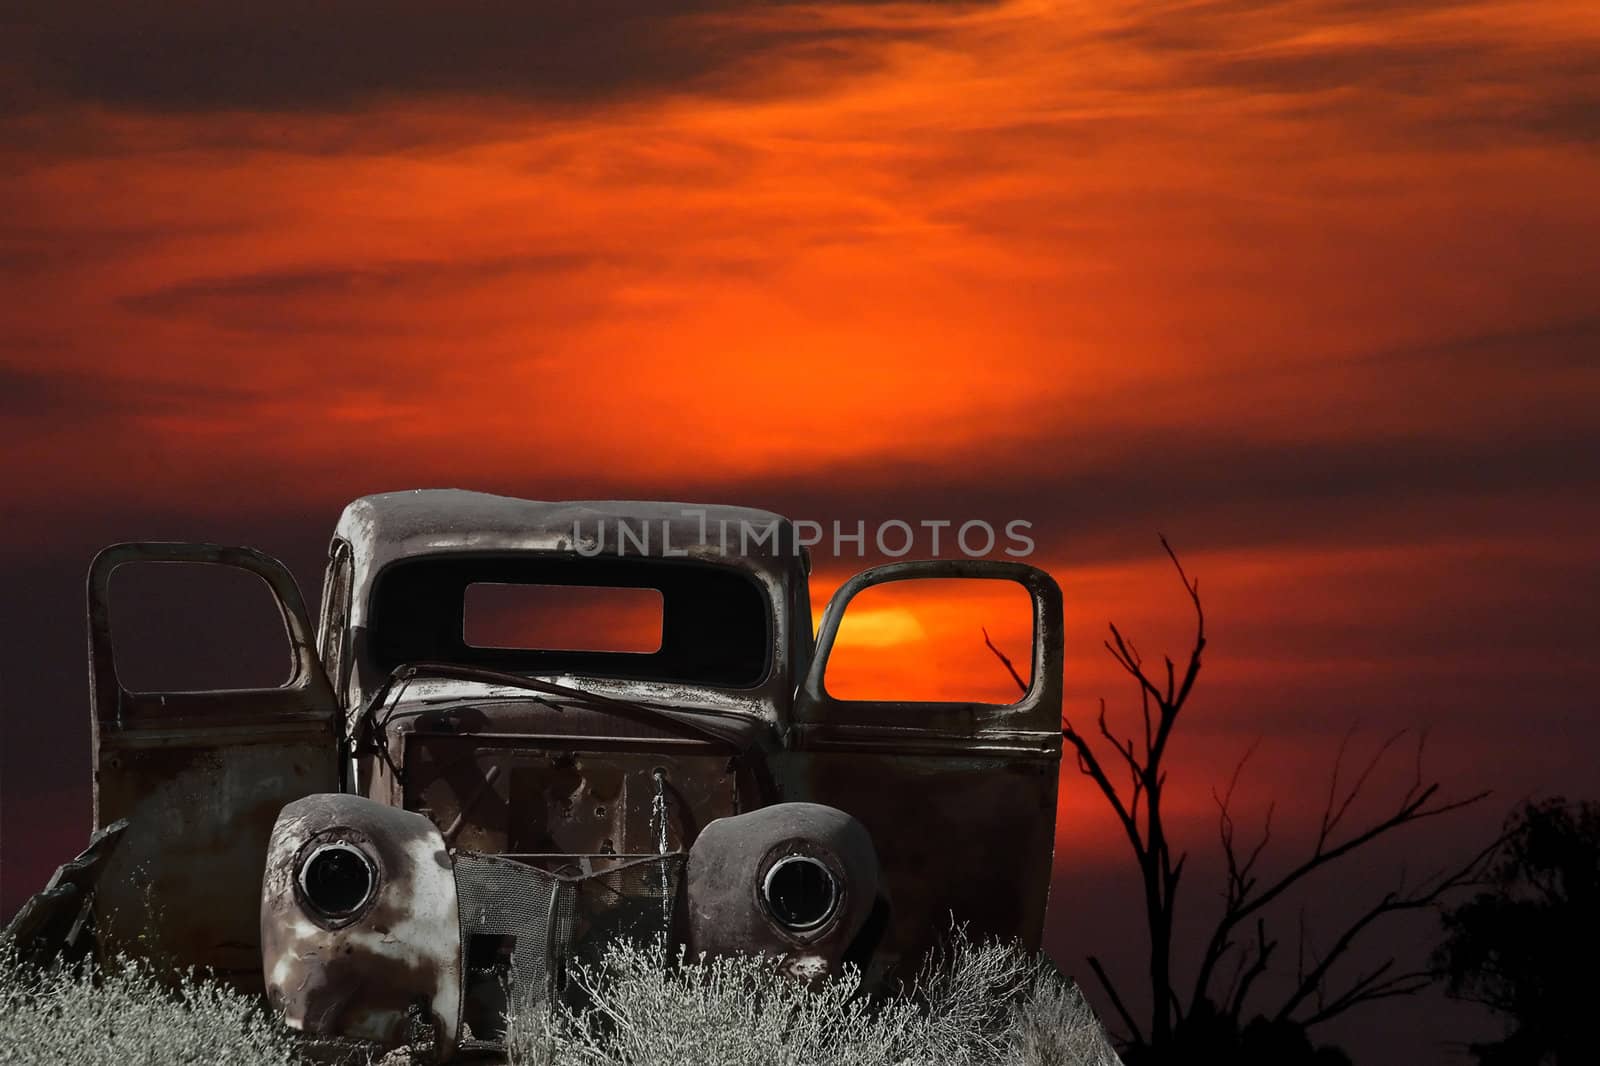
(969, 994)
(125, 1016)
(973, 1005)
(717, 1012)
(1055, 1026)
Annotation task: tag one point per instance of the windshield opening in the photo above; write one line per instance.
(637, 619)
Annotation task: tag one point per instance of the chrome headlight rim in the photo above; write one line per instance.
(335, 845)
(794, 918)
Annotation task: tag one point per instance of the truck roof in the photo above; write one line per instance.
(390, 526)
(396, 526)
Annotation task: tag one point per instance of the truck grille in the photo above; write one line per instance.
(521, 924)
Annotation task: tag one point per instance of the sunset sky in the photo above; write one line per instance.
(1310, 286)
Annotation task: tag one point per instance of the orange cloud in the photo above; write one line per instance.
(1010, 231)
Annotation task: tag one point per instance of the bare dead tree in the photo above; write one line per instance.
(1247, 895)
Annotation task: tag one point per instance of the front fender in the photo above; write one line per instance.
(370, 972)
(732, 864)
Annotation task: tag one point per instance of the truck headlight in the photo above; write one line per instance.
(800, 892)
(336, 880)
(794, 880)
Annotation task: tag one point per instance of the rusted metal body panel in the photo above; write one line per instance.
(394, 958)
(566, 796)
(957, 838)
(960, 799)
(200, 778)
(57, 922)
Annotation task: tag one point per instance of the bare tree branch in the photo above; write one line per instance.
(1369, 988)
(1139, 810)
(1021, 684)
(1425, 895)
(1116, 1001)
(1417, 804)
(1089, 766)
(1160, 872)
(1332, 816)
(1264, 948)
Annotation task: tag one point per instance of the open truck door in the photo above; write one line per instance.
(199, 777)
(960, 797)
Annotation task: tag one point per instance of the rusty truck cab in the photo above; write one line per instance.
(733, 624)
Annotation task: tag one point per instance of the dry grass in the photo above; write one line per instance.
(126, 1016)
(976, 1005)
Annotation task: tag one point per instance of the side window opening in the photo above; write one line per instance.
(926, 640)
(195, 627)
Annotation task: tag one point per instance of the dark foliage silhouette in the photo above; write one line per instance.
(1526, 946)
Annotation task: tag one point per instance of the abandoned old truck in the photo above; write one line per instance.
(419, 825)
